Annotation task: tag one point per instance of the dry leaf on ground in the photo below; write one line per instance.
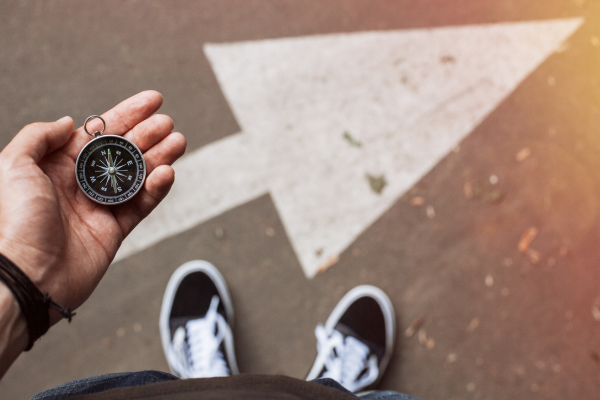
(527, 238)
(414, 326)
(523, 154)
(328, 263)
(377, 183)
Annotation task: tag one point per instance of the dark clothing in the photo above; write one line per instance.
(156, 385)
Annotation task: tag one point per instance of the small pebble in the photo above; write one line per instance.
(493, 179)
(534, 256)
(452, 357)
(520, 370)
(219, 232)
(523, 154)
(270, 232)
(473, 325)
(489, 280)
(137, 327)
(470, 387)
(430, 211)
(596, 312)
(422, 336)
(595, 41)
(430, 344)
(417, 201)
(541, 365)
(551, 81)
(120, 332)
(505, 291)
(534, 387)
(468, 190)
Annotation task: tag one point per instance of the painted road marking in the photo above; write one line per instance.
(408, 97)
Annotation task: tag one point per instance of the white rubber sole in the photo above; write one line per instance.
(388, 315)
(174, 282)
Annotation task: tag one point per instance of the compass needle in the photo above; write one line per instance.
(112, 171)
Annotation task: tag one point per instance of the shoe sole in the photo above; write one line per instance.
(219, 281)
(388, 316)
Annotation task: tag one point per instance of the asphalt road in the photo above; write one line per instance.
(501, 323)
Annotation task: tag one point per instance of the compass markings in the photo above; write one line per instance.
(109, 154)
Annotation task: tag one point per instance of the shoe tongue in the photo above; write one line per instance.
(373, 347)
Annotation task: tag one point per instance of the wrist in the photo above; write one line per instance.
(26, 258)
(35, 306)
(13, 329)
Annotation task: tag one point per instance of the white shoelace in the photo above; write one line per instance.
(346, 360)
(199, 356)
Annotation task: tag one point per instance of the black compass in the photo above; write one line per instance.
(110, 169)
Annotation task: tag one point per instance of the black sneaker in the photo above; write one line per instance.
(356, 343)
(196, 319)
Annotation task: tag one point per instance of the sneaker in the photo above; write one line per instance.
(356, 343)
(196, 321)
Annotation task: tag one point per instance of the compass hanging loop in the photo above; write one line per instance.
(97, 133)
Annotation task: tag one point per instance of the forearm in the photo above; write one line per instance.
(13, 329)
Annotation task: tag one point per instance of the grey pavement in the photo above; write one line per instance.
(498, 323)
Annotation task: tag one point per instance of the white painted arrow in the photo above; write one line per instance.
(408, 96)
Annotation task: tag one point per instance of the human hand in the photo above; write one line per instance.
(49, 228)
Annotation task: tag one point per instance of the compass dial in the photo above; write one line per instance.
(110, 169)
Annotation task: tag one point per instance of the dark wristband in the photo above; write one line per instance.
(34, 305)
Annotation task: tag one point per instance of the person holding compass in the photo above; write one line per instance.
(59, 232)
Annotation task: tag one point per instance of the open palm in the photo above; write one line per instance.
(48, 227)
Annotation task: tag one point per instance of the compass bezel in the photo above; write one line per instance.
(93, 194)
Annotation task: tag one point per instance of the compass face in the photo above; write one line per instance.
(110, 169)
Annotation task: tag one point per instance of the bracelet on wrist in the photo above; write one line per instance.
(34, 305)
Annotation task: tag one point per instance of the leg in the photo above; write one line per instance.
(101, 383)
(385, 395)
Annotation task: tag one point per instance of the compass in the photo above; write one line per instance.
(110, 169)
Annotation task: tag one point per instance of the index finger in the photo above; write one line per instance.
(119, 120)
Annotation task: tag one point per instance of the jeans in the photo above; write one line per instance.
(101, 383)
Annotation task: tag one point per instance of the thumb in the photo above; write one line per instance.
(40, 138)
